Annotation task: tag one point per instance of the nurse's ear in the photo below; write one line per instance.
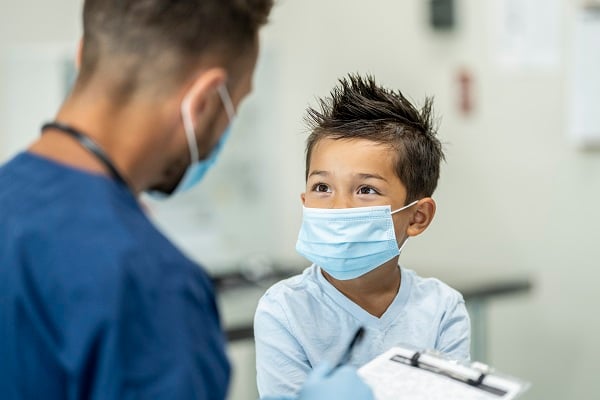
(303, 198)
(203, 99)
(422, 215)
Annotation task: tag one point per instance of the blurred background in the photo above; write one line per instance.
(517, 89)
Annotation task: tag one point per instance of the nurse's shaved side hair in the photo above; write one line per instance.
(358, 108)
(141, 43)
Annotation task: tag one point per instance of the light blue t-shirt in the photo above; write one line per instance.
(304, 320)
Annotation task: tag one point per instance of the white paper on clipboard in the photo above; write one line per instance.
(397, 375)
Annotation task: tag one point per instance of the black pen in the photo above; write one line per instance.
(360, 333)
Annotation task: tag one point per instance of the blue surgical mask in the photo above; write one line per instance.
(348, 242)
(197, 169)
(195, 172)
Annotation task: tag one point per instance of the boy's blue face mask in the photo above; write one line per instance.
(348, 242)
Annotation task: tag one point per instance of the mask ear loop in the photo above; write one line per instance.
(188, 126)
(227, 103)
(398, 210)
(405, 207)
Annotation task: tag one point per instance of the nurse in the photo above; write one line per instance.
(95, 303)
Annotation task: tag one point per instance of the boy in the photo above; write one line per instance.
(372, 164)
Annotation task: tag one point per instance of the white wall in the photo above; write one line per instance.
(515, 198)
(36, 21)
(25, 103)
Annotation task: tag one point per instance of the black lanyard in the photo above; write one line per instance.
(89, 145)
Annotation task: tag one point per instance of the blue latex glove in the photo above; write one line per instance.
(342, 383)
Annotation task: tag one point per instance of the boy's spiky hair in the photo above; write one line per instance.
(358, 108)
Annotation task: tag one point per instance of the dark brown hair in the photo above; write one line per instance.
(134, 36)
(360, 109)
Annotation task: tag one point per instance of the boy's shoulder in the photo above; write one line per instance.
(302, 285)
(428, 287)
(305, 279)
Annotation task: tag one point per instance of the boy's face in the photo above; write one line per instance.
(348, 173)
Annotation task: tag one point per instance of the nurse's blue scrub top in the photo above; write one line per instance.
(95, 303)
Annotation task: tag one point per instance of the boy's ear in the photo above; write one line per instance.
(303, 198)
(422, 216)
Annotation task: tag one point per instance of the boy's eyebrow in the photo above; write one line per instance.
(361, 175)
(371, 176)
(317, 172)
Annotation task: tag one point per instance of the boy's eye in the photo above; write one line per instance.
(367, 190)
(321, 187)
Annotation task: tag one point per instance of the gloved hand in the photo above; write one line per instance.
(340, 384)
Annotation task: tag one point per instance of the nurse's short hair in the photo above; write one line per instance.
(169, 37)
(358, 108)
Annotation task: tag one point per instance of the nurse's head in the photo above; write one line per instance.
(149, 61)
(370, 146)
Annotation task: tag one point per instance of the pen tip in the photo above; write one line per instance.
(360, 332)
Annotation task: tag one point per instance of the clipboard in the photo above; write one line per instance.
(403, 373)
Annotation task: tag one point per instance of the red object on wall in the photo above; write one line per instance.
(465, 91)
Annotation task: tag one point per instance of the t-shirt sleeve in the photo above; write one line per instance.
(454, 339)
(281, 363)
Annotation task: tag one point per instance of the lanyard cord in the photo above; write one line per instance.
(89, 145)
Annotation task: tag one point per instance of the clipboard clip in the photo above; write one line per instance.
(473, 374)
